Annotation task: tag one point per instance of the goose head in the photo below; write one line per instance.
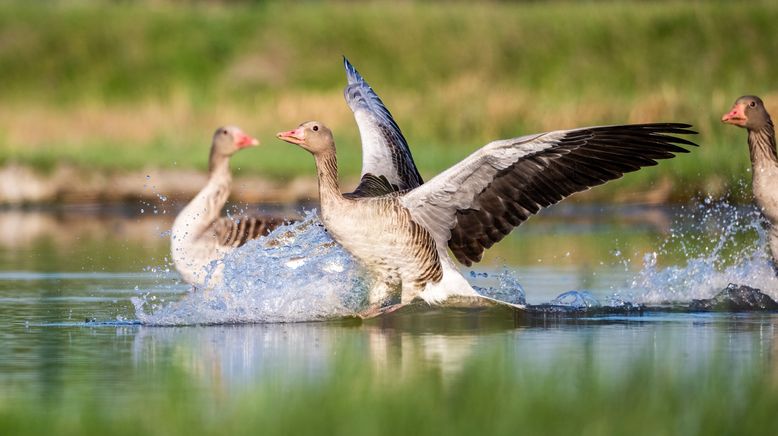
(229, 139)
(312, 136)
(749, 112)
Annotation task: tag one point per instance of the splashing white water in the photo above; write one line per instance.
(722, 244)
(503, 285)
(296, 273)
(576, 299)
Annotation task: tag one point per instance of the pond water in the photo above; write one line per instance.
(81, 286)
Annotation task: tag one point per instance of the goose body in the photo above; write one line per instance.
(750, 113)
(403, 237)
(382, 234)
(200, 236)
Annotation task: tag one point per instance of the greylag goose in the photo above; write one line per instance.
(749, 112)
(402, 237)
(200, 236)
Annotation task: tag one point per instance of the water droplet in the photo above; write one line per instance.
(576, 299)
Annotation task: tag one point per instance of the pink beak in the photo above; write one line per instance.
(243, 140)
(735, 116)
(296, 136)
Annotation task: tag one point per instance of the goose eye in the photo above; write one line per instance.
(315, 128)
(224, 132)
(752, 104)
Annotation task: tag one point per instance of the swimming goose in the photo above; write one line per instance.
(749, 112)
(200, 235)
(402, 237)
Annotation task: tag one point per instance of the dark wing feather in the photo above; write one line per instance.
(373, 186)
(236, 231)
(581, 159)
(385, 151)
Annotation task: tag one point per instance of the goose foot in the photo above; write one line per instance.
(377, 311)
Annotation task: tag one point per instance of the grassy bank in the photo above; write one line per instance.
(129, 86)
(491, 395)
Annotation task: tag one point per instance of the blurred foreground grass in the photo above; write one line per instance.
(491, 395)
(116, 86)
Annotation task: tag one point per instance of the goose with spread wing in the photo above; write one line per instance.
(402, 237)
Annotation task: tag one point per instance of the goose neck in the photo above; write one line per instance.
(219, 166)
(327, 168)
(206, 206)
(762, 145)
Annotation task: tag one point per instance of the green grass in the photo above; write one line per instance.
(491, 395)
(133, 85)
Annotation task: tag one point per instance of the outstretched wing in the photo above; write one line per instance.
(384, 149)
(236, 231)
(477, 202)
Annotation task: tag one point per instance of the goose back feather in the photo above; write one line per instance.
(237, 230)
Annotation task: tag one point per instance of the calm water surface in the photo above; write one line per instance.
(61, 268)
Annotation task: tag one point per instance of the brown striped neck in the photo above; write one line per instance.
(327, 168)
(761, 144)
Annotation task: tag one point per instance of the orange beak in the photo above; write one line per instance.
(735, 116)
(296, 136)
(243, 141)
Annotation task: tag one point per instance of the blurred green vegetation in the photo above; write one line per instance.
(490, 395)
(128, 85)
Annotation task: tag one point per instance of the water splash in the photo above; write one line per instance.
(503, 286)
(576, 299)
(722, 243)
(296, 273)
